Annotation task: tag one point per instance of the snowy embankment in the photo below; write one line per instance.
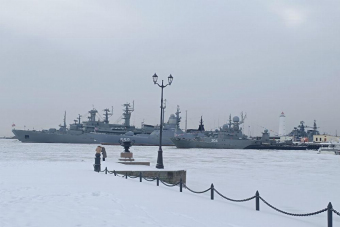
(55, 185)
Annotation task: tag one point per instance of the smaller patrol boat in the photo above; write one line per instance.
(330, 149)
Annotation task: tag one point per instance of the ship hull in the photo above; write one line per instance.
(206, 143)
(137, 140)
(276, 147)
(27, 136)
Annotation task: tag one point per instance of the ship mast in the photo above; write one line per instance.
(201, 126)
(127, 113)
(243, 117)
(186, 120)
(178, 118)
(92, 116)
(63, 127)
(106, 116)
(79, 116)
(65, 120)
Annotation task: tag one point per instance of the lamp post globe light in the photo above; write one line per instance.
(160, 151)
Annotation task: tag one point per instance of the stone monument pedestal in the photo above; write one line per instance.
(126, 157)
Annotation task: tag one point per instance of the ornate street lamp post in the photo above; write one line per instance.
(160, 151)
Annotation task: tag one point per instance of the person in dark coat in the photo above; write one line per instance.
(104, 153)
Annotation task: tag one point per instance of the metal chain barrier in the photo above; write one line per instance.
(149, 179)
(234, 200)
(300, 215)
(169, 185)
(185, 186)
(212, 189)
(336, 212)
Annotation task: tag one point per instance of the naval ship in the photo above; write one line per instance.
(229, 136)
(170, 128)
(82, 132)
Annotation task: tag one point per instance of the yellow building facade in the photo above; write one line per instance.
(325, 139)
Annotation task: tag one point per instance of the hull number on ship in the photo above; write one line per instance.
(214, 140)
(124, 139)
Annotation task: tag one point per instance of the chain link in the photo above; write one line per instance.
(336, 212)
(234, 200)
(169, 185)
(300, 215)
(149, 179)
(185, 186)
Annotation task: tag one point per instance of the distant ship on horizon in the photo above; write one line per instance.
(82, 132)
(229, 136)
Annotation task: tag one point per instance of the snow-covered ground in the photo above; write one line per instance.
(55, 185)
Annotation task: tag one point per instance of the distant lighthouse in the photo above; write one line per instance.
(282, 125)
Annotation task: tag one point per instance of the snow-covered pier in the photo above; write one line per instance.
(41, 184)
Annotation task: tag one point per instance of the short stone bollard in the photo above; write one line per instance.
(97, 163)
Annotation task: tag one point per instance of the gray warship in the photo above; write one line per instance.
(299, 134)
(82, 132)
(170, 129)
(229, 136)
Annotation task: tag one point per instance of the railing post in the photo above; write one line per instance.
(212, 192)
(114, 171)
(140, 176)
(105, 170)
(157, 181)
(97, 162)
(125, 175)
(329, 214)
(180, 185)
(257, 199)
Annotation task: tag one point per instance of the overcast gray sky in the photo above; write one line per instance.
(261, 57)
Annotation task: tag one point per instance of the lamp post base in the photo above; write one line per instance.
(159, 166)
(160, 159)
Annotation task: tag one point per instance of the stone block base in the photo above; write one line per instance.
(126, 159)
(172, 177)
(126, 155)
(135, 163)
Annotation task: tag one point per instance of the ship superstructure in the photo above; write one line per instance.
(170, 128)
(301, 135)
